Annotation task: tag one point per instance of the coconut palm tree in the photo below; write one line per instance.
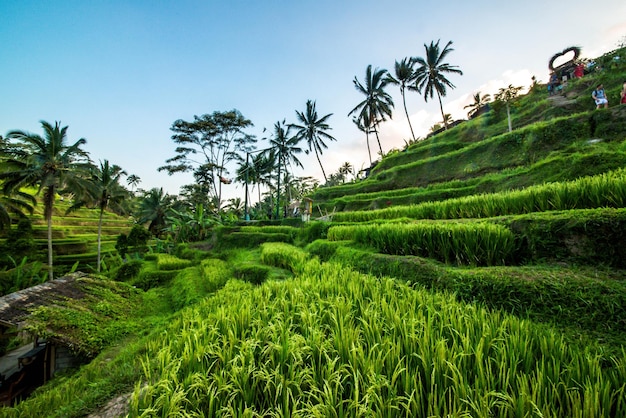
(313, 130)
(104, 192)
(430, 75)
(133, 181)
(479, 102)
(345, 170)
(285, 149)
(377, 104)
(507, 96)
(404, 76)
(155, 207)
(48, 163)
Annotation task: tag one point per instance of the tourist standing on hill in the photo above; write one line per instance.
(579, 71)
(623, 99)
(599, 96)
(552, 84)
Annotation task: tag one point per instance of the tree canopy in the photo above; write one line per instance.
(208, 144)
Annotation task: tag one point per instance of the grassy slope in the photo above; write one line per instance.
(474, 157)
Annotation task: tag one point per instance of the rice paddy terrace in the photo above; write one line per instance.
(476, 273)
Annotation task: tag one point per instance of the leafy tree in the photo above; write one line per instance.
(235, 206)
(404, 76)
(48, 163)
(137, 239)
(285, 148)
(105, 192)
(377, 104)
(19, 243)
(479, 102)
(508, 96)
(207, 144)
(155, 206)
(430, 76)
(190, 225)
(313, 130)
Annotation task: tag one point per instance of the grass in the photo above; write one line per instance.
(335, 343)
(417, 337)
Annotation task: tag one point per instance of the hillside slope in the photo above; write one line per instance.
(555, 138)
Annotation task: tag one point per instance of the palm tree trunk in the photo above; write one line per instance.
(407, 114)
(367, 139)
(378, 139)
(48, 198)
(445, 122)
(322, 167)
(278, 191)
(99, 238)
(50, 272)
(219, 193)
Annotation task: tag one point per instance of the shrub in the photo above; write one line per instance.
(128, 270)
(149, 277)
(252, 239)
(215, 274)
(283, 255)
(171, 262)
(324, 249)
(312, 231)
(253, 273)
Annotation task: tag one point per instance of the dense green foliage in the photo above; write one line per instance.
(452, 243)
(404, 310)
(336, 343)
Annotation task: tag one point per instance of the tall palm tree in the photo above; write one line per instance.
(479, 102)
(345, 170)
(133, 181)
(507, 96)
(154, 207)
(377, 104)
(285, 148)
(48, 163)
(313, 129)
(404, 76)
(104, 192)
(430, 75)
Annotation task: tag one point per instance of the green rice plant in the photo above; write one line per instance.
(333, 342)
(151, 276)
(193, 284)
(215, 273)
(453, 243)
(283, 255)
(324, 249)
(603, 190)
(273, 229)
(171, 262)
(253, 273)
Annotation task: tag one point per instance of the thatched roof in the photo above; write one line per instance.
(16, 307)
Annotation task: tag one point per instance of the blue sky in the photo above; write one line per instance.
(118, 73)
